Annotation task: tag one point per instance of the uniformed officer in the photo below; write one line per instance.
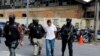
(30, 34)
(37, 32)
(13, 34)
(67, 36)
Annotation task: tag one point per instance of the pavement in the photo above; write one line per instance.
(27, 50)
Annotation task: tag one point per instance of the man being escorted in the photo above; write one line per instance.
(37, 32)
(50, 38)
(67, 36)
(14, 35)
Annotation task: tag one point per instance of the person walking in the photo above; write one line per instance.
(67, 32)
(50, 38)
(14, 34)
(37, 33)
(30, 33)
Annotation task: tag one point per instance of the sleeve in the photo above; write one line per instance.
(29, 26)
(43, 30)
(74, 29)
(5, 30)
(20, 32)
(55, 29)
(62, 28)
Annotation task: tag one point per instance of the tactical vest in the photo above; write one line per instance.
(37, 31)
(12, 32)
(67, 31)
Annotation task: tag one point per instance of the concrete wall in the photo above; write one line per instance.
(56, 21)
(57, 14)
(74, 11)
(92, 24)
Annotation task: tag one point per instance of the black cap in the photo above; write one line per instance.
(11, 17)
(35, 22)
(68, 20)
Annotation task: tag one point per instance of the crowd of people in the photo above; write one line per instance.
(14, 34)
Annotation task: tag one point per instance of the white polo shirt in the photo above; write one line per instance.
(50, 32)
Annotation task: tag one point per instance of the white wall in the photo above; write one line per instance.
(60, 21)
(92, 24)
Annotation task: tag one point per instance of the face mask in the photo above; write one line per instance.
(68, 21)
(35, 22)
(11, 20)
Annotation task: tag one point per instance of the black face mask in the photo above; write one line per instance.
(11, 20)
(68, 22)
(36, 22)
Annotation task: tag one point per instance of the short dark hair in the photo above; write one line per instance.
(48, 21)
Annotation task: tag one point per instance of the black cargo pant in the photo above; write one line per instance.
(12, 46)
(31, 40)
(70, 45)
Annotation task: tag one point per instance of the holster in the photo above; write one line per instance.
(12, 44)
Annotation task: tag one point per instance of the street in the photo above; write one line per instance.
(27, 50)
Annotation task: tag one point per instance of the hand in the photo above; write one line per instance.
(21, 43)
(68, 38)
(58, 36)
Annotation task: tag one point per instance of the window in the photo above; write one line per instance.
(1, 15)
(89, 15)
(24, 15)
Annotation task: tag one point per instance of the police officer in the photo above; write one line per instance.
(13, 34)
(67, 36)
(37, 32)
(30, 34)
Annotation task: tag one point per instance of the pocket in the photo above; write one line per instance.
(14, 44)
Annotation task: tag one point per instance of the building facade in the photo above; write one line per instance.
(8, 4)
(48, 9)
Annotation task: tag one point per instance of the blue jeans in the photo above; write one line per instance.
(50, 47)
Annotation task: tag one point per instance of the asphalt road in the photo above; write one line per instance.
(27, 50)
